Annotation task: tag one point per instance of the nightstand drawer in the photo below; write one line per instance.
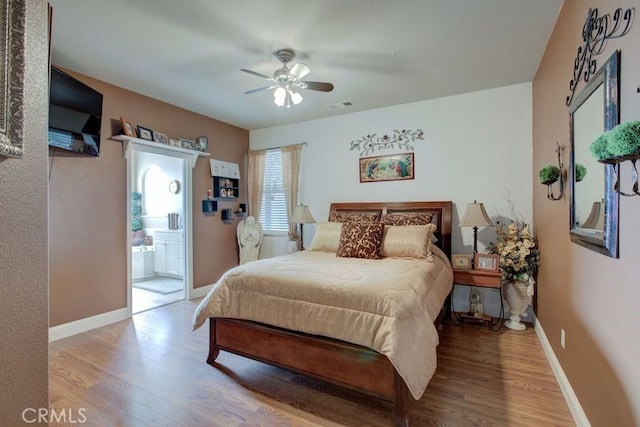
(477, 278)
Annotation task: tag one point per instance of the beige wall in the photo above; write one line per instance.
(23, 275)
(593, 297)
(88, 235)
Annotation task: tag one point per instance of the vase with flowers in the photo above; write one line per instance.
(519, 261)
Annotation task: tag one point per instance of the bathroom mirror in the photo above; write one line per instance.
(594, 203)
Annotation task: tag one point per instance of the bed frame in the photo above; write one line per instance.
(338, 362)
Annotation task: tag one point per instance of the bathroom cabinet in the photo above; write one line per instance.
(169, 253)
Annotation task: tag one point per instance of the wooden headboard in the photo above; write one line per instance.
(442, 212)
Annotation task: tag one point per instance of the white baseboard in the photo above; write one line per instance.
(577, 412)
(83, 325)
(200, 292)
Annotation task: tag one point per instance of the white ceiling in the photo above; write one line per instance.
(376, 52)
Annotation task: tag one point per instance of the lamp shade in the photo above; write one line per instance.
(596, 217)
(301, 215)
(475, 216)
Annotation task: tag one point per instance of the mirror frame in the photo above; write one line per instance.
(609, 76)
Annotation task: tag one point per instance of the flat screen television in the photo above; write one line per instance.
(75, 114)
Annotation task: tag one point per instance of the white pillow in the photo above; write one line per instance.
(413, 241)
(327, 237)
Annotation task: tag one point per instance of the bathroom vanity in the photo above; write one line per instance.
(169, 253)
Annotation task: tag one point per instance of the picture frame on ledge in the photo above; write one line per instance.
(145, 133)
(127, 128)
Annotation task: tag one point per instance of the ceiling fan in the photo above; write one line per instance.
(287, 81)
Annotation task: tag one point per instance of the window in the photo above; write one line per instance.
(273, 213)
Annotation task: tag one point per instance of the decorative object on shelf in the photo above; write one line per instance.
(145, 133)
(461, 261)
(202, 143)
(128, 128)
(227, 215)
(287, 81)
(550, 174)
(401, 138)
(13, 64)
(519, 260)
(174, 187)
(580, 172)
(160, 137)
(301, 216)
(173, 221)
(475, 303)
(475, 216)
(618, 145)
(387, 168)
(595, 33)
(486, 262)
(175, 142)
(209, 207)
(249, 235)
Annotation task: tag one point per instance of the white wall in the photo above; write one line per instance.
(477, 146)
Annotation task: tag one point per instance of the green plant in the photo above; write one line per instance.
(549, 174)
(581, 172)
(600, 147)
(624, 139)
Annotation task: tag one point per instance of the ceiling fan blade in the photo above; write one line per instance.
(300, 70)
(321, 86)
(255, 73)
(260, 89)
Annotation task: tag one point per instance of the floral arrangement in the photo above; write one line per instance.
(623, 141)
(519, 253)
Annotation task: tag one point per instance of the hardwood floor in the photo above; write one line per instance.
(151, 371)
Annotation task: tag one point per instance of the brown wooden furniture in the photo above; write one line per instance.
(483, 279)
(345, 364)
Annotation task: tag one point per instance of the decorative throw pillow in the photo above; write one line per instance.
(412, 241)
(360, 240)
(407, 218)
(327, 236)
(353, 216)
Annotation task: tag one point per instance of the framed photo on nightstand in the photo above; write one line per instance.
(487, 262)
(461, 261)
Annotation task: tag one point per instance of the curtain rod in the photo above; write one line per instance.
(282, 146)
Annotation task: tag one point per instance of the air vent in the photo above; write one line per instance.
(339, 105)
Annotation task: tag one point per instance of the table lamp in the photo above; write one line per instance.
(475, 216)
(301, 215)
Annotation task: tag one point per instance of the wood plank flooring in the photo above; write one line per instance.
(151, 371)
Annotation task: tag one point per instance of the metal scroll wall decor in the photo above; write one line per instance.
(595, 33)
(402, 139)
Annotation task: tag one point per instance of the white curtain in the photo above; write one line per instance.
(290, 172)
(255, 178)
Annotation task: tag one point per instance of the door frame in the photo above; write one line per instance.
(187, 184)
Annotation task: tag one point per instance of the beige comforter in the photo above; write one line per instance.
(388, 305)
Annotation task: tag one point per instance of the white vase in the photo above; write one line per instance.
(516, 301)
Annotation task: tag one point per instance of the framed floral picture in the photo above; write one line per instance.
(386, 168)
(461, 261)
(487, 262)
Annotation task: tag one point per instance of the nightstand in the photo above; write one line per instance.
(482, 279)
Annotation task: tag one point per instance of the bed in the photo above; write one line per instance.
(364, 324)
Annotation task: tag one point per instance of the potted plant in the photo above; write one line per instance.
(580, 172)
(620, 143)
(519, 260)
(549, 174)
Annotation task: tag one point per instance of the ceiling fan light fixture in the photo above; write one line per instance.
(296, 97)
(279, 96)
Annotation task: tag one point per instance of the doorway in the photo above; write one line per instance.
(158, 210)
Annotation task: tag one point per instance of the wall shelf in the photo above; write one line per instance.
(129, 140)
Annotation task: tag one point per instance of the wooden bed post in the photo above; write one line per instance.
(213, 348)
(400, 401)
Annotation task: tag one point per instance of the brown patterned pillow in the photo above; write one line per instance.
(360, 240)
(408, 218)
(353, 216)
